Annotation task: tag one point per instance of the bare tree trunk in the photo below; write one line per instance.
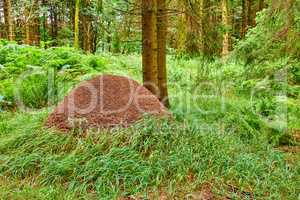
(8, 19)
(54, 23)
(87, 29)
(27, 39)
(291, 37)
(202, 29)
(244, 19)
(76, 24)
(207, 25)
(251, 19)
(149, 39)
(161, 53)
(1, 24)
(180, 36)
(226, 24)
(261, 5)
(247, 17)
(35, 33)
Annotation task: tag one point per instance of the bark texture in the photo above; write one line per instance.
(161, 54)
(8, 20)
(149, 39)
(226, 24)
(76, 24)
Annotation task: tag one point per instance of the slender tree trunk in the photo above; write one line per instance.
(8, 19)
(76, 24)
(54, 24)
(35, 33)
(27, 38)
(207, 25)
(181, 29)
(192, 37)
(244, 19)
(251, 19)
(202, 29)
(161, 53)
(1, 25)
(149, 40)
(226, 24)
(87, 29)
(247, 19)
(261, 5)
(290, 36)
(44, 23)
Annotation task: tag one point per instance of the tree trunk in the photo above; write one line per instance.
(180, 35)
(27, 39)
(202, 29)
(261, 5)
(161, 53)
(1, 24)
(54, 24)
(149, 40)
(76, 24)
(87, 29)
(207, 25)
(8, 19)
(44, 23)
(244, 19)
(35, 33)
(251, 19)
(247, 19)
(291, 37)
(226, 24)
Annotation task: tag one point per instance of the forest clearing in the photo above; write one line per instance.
(149, 99)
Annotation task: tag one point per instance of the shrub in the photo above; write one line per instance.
(35, 91)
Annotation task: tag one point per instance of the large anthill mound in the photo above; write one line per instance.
(103, 102)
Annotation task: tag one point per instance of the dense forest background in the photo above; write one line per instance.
(195, 27)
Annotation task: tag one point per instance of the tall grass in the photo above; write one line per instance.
(151, 156)
(218, 135)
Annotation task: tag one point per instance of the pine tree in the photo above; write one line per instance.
(8, 19)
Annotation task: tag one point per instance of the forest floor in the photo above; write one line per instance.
(231, 137)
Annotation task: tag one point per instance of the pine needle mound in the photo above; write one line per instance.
(105, 101)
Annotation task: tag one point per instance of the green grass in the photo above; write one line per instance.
(222, 138)
(151, 156)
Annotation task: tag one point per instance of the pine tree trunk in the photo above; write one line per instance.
(261, 5)
(87, 29)
(202, 28)
(149, 40)
(54, 24)
(206, 23)
(35, 33)
(226, 24)
(76, 24)
(161, 53)
(181, 29)
(251, 19)
(247, 19)
(291, 37)
(191, 43)
(27, 38)
(1, 25)
(8, 19)
(244, 19)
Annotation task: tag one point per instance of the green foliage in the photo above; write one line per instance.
(228, 120)
(33, 91)
(149, 156)
(272, 38)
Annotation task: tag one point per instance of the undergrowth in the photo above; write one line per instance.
(150, 156)
(227, 129)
